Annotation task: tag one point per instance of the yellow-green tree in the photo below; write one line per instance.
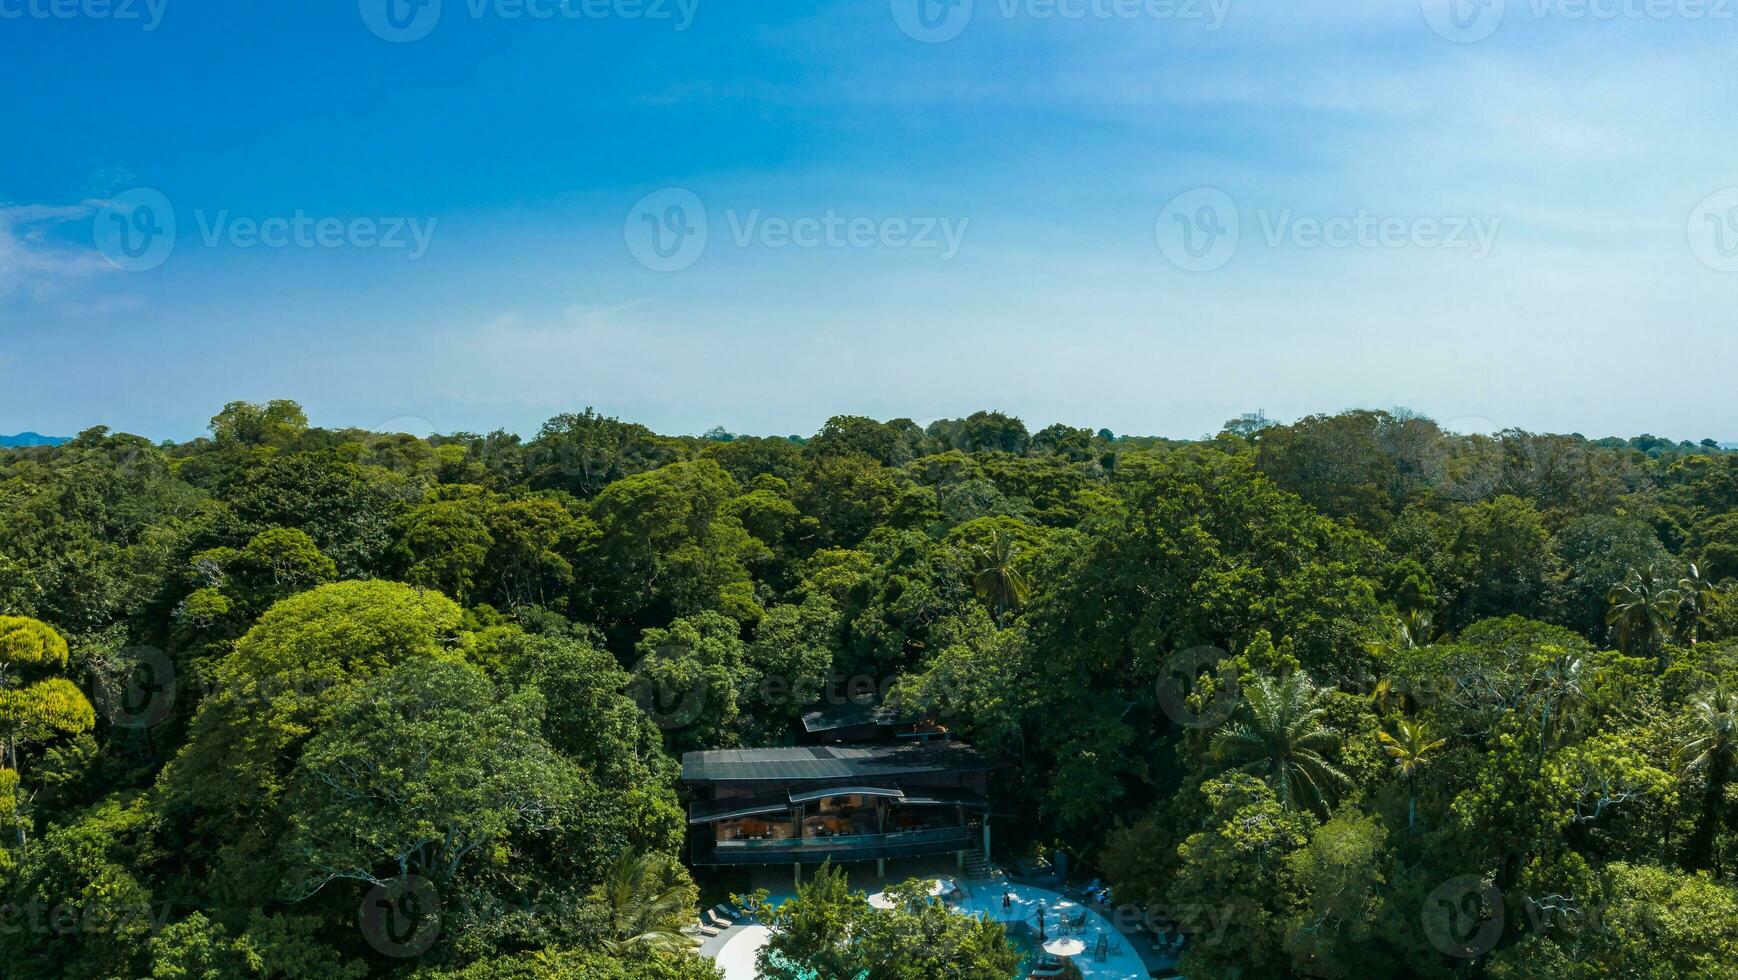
(37, 703)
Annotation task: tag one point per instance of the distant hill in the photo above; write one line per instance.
(31, 439)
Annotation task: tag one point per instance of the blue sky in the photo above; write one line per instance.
(1546, 239)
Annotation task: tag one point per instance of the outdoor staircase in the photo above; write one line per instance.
(978, 868)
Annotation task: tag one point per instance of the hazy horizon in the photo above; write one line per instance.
(423, 427)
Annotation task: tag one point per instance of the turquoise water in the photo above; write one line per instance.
(1021, 938)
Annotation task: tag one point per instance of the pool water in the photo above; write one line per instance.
(1021, 938)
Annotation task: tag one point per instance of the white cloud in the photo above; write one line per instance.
(38, 257)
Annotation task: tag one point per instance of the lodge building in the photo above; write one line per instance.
(909, 791)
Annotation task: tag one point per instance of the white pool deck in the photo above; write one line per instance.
(984, 899)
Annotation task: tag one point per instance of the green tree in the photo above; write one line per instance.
(1411, 747)
(1641, 611)
(998, 581)
(1697, 592)
(421, 771)
(1282, 738)
(646, 898)
(1711, 749)
(36, 704)
(829, 931)
(1239, 865)
(444, 544)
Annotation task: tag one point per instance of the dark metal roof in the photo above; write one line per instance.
(941, 796)
(847, 762)
(732, 807)
(851, 715)
(811, 795)
(760, 804)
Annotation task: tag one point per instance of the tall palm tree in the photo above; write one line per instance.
(1416, 628)
(1281, 738)
(1411, 748)
(646, 904)
(1712, 746)
(1642, 608)
(1559, 688)
(1695, 589)
(997, 581)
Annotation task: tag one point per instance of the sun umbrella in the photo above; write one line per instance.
(1065, 947)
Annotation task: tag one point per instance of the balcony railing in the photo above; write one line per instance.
(855, 847)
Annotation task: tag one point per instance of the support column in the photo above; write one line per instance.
(881, 868)
(960, 815)
(987, 860)
(798, 871)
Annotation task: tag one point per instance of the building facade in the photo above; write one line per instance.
(840, 803)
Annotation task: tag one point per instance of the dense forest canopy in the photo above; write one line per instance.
(1378, 699)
